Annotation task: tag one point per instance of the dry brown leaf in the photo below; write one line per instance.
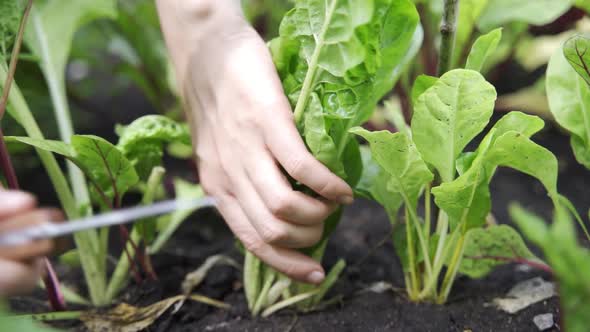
(128, 318)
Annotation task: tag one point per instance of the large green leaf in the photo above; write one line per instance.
(576, 51)
(538, 12)
(467, 199)
(53, 24)
(398, 156)
(486, 248)
(569, 262)
(449, 115)
(569, 101)
(483, 47)
(142, 142)
(110, 173)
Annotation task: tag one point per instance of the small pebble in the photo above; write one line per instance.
(544, 321)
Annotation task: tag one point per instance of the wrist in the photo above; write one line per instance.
(190, 26)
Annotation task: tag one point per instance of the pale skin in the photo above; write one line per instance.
(22, 266)
(244, 135)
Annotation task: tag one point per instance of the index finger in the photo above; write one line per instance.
(288, 148)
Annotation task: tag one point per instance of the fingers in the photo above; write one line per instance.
(15, 202)
(290, 151)
(289, 262)
(34, 249)
(18, 278)
(280, 198)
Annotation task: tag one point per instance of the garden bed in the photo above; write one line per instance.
(363, 240)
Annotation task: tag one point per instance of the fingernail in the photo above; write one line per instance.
(14, 199)
(316, 277)
(346, 200)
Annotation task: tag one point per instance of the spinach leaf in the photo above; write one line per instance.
(486, 248)
(569, 102)
(110, 173)
(142, 142)
(483, 47)
(449, 115)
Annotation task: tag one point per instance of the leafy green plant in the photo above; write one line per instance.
(336, 60)
(112, 170)
(429, 160)
(564, 254)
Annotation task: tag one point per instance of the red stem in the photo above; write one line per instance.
(518, 260)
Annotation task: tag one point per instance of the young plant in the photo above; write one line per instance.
(429, 159)
(569, 261)
(112, 171)
(336, 60)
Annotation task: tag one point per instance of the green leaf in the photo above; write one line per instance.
(373, 185)
(576, 51)
(9, 21)
(538, 12)
(583, 4)
(483, 47)
(469, 13)
(487, 248)
(319, 142)
(467, 199)
(569, 102)
(52, 27)
(421, 84)
(398, 156)
(142, 142)
(564, 254)
(449, 115)
(105, 166)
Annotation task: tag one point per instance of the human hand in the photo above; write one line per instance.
(244, 135)
(22, 266)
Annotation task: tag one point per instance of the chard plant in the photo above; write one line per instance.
(428, 161)
(100, 173)
(565, 255)
(336, 60)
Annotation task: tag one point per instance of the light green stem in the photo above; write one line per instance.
(452, 271)
(56, 84)
(51, 316)
(86, 242)
(252, 280)
(310, 76)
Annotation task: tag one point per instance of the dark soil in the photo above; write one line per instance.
(363, 240)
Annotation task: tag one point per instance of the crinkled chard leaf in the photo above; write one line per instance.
(486, 248)
(105, 166)
(449, 115)
(569, 102)
(142, 142)
(481, 50)
(336, 60)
